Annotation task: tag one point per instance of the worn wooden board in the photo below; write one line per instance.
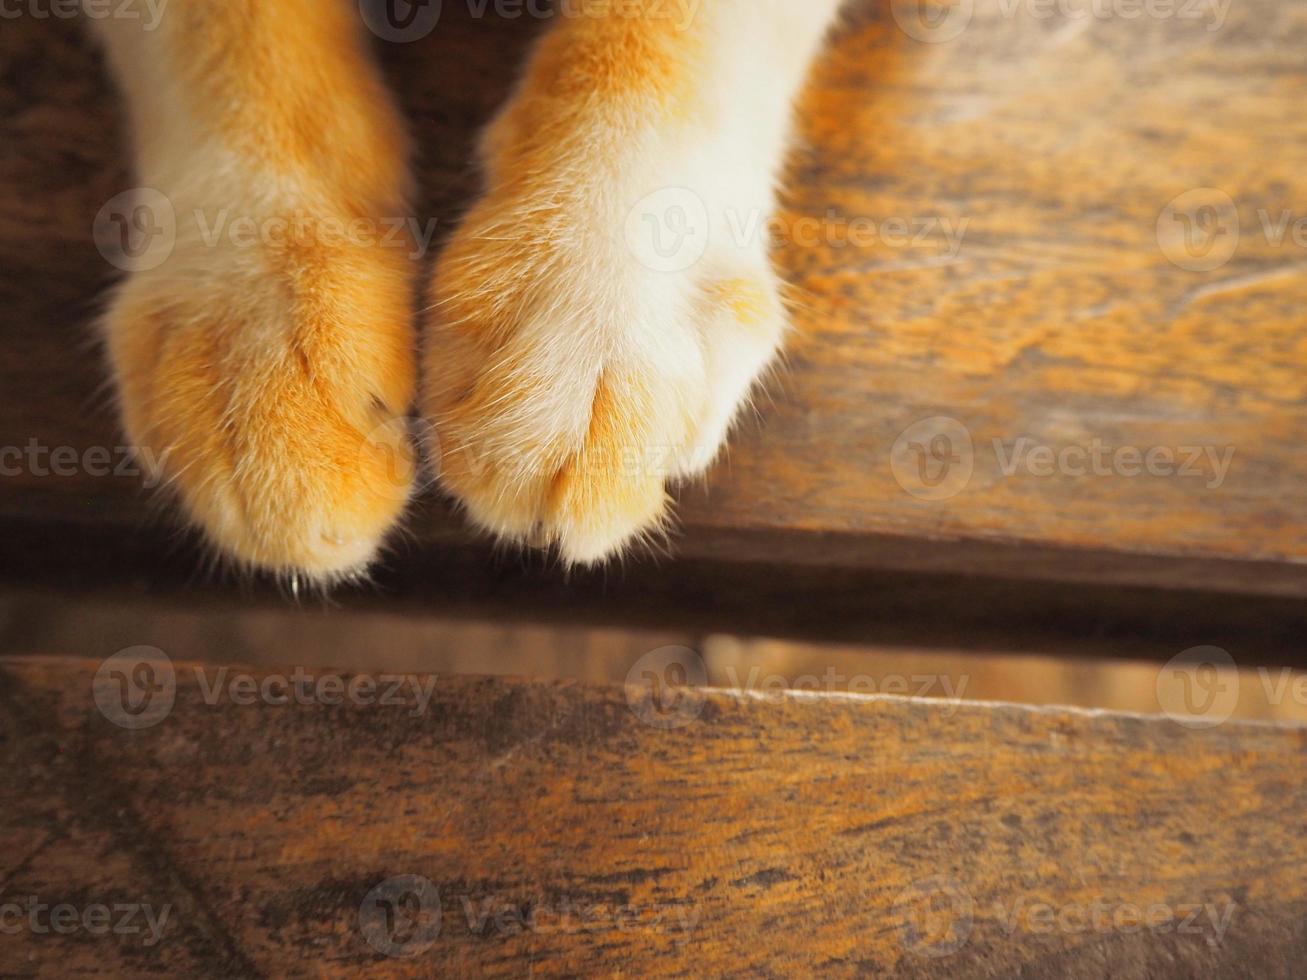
(1060, 318)
(569, 829)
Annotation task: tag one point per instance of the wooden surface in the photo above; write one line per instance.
(775, 836)
(890, 608)
(1060, 319)
(391, 640)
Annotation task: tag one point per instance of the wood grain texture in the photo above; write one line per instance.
(1059, 319)
(794, 835)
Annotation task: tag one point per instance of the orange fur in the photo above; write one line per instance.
(746, 300)
(563, 404)
(271, 378)
(569, 376)
(290, 83)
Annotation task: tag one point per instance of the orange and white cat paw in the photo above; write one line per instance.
(264, 356)
(268, 385)
(606, 308)
(570, 378)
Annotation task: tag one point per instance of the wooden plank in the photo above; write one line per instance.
(1060, 320)
(573, 829)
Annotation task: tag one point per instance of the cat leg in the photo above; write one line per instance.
(262, 342)
(608, 304)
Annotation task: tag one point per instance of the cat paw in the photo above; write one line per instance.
(593, 339)
(267, 384)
